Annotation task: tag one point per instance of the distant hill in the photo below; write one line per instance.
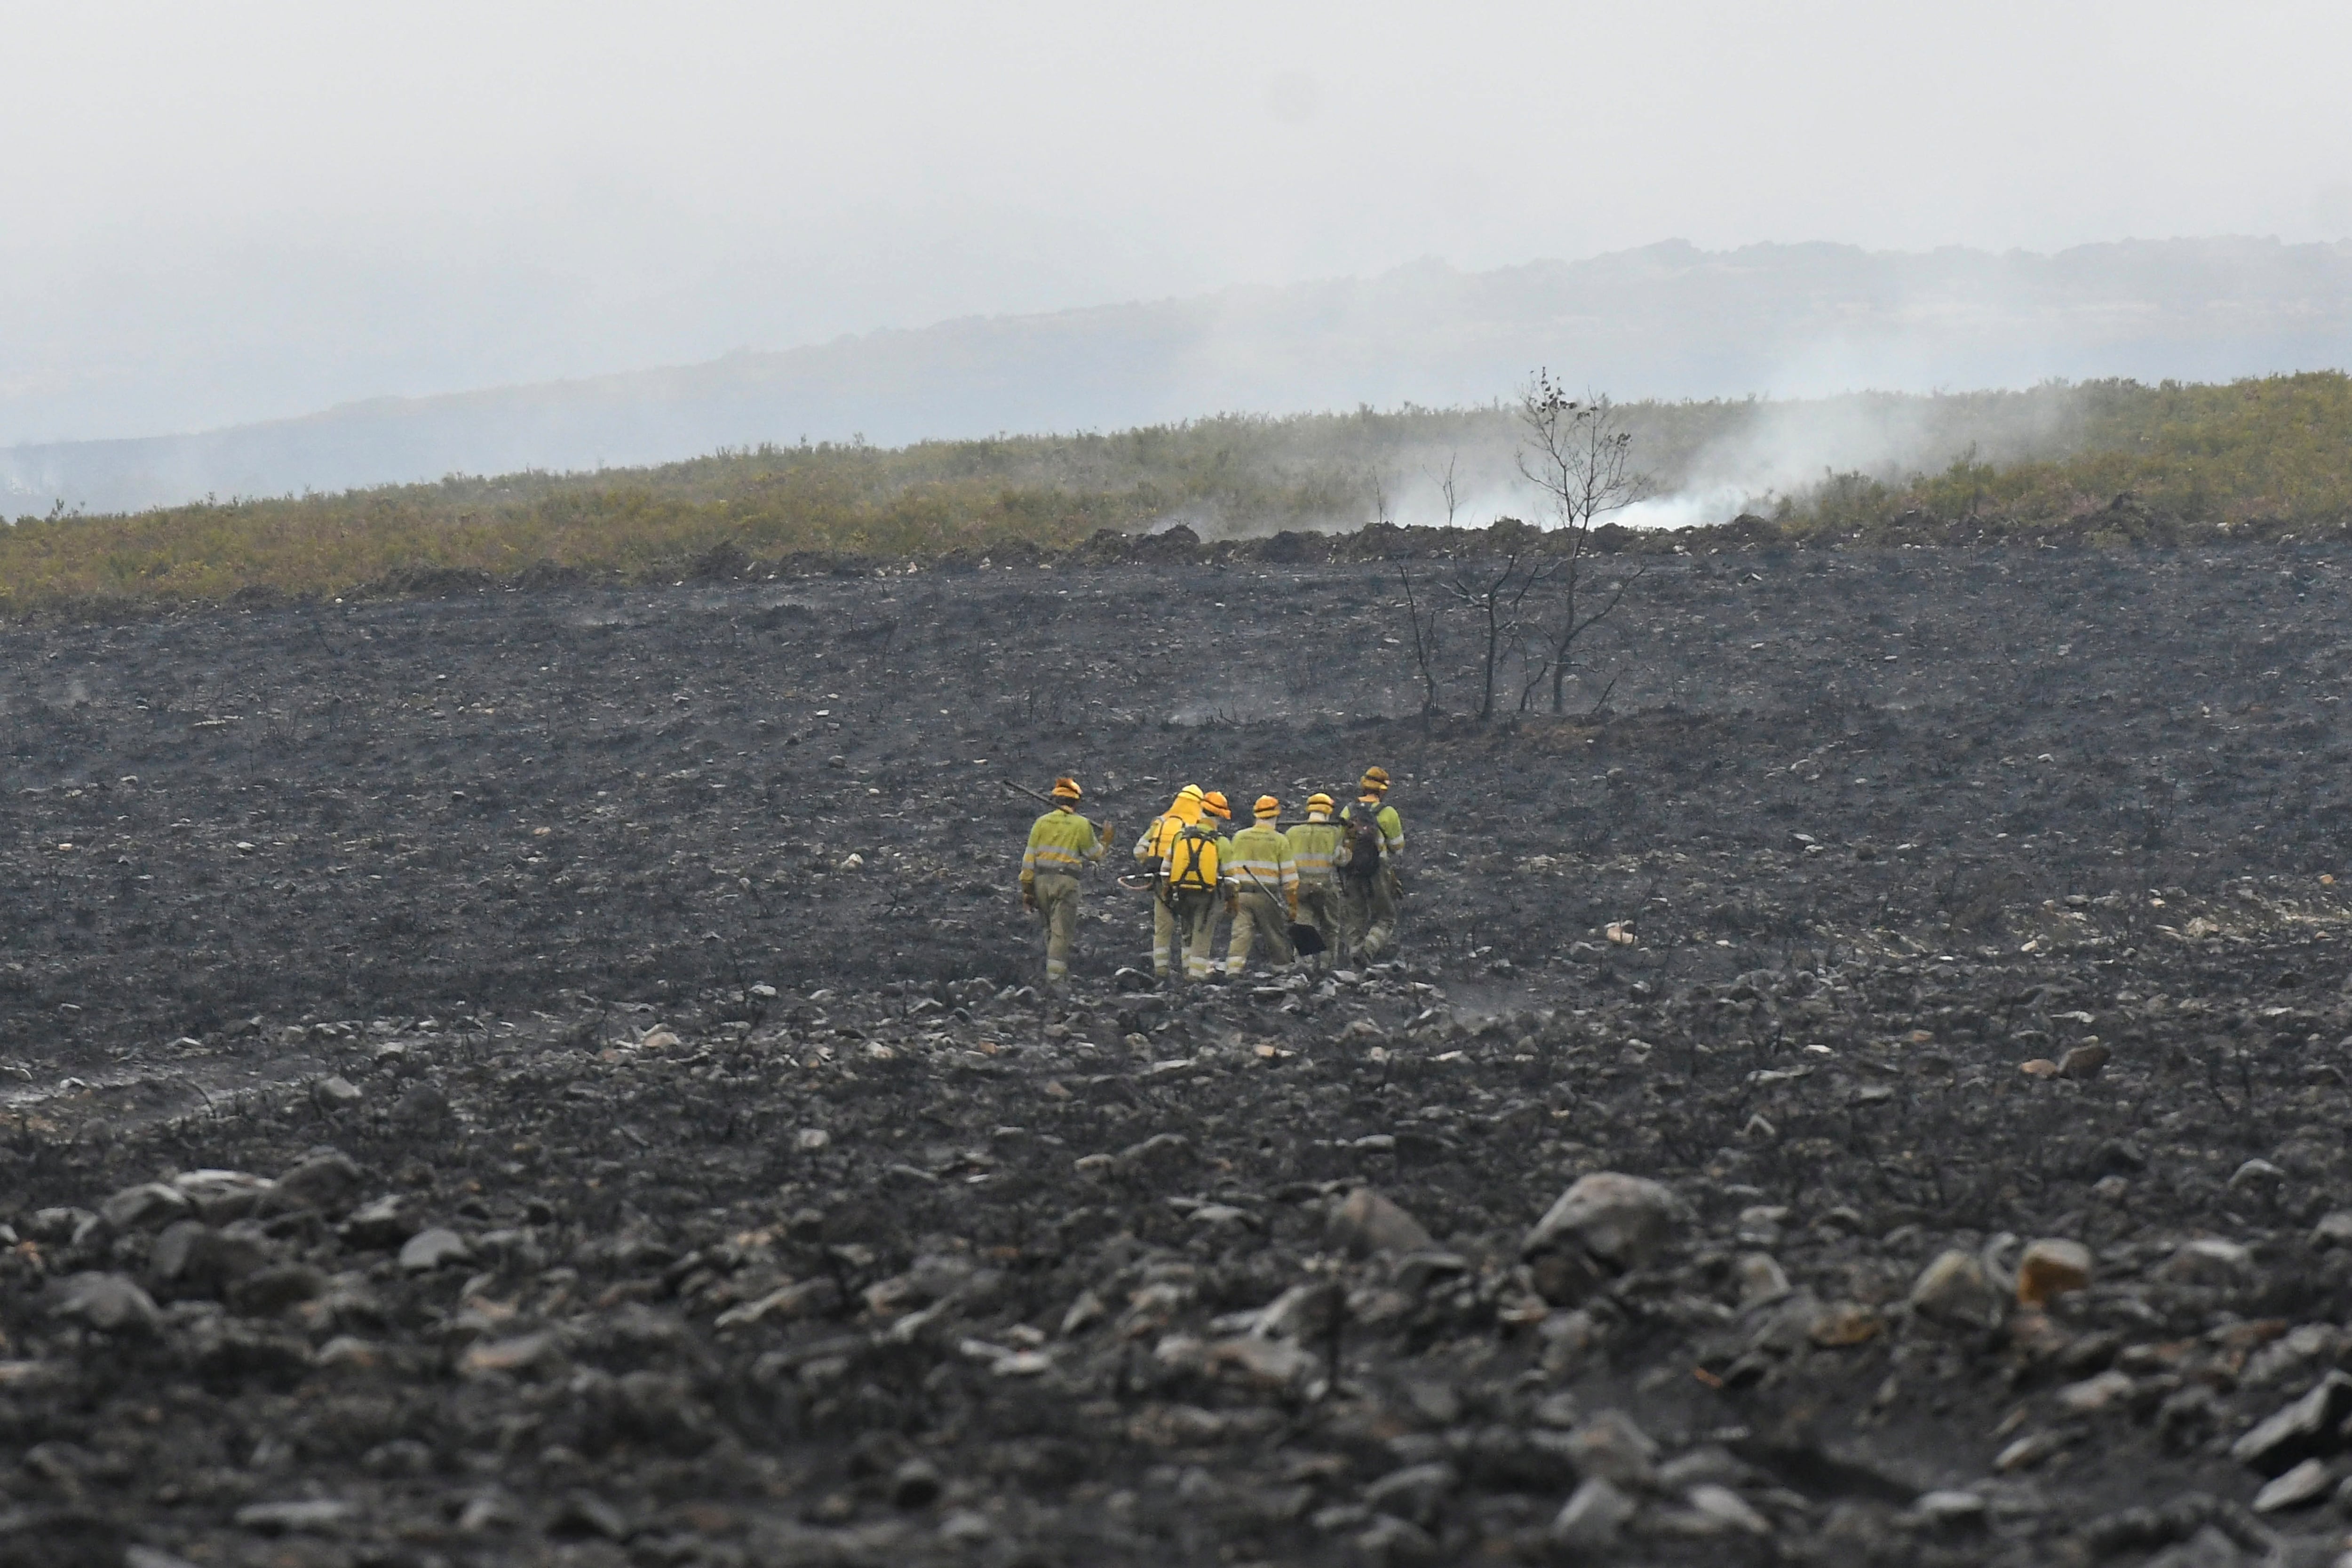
(1667, 322)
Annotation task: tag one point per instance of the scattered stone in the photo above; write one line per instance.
(2084, 1062)
(1955, 1289)
(2038, 1066)
(2333, 1230)
(2208, 1261)
(1365, 1223)
(1604, 1225)
(1593, 1517)
(1761, 1279)
(315, 1516)
(1952, 1511)
(335, 1092)
(1727, 1509)
(2305, 1429)
(2051, 1268)
(2094, 1395)
(1610, 1447)
(111, 1303)
(144, 1206)
(381, 1224)
(2301, 1487)
(327, 1181)
(435, 1248)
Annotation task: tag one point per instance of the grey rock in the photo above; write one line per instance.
(435, 1248)
(335, 1091)
(2333, 1230)
(1609, 1447)
(584, 1514)
(916, 1484)
(1951, 1511)
(1302, 1312)
(380, 1223)
(311, 1515)
(2208, 1261)
(1724, 1511)
(1590, 1521)
(1955, 1288)
(1624, 1222)
(1761, 1279)
(2305, 1429)
(111, 1303)
(1415, 1492)
(327, 1181)
(193, 1255)
(149, 1204)
(2303, 1485)
(267, 1292)
(2259, 1177)
(1365, 1223)
(220, 1197)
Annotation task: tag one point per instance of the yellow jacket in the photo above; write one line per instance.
(1060, 841)
(1260, 863)
(1314, 847)
(1151, 849)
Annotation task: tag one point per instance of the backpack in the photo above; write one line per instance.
(1362, 844)
(1192, 861)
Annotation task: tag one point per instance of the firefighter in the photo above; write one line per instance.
(1061, 845)
(1314, 850)
(1265, 887)
(1194, 872)
(1151, 858)
(1372, 839)
(1214, 809)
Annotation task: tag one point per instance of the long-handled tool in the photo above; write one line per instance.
(1306, 941)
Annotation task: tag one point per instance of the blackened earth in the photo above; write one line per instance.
(709, 1185)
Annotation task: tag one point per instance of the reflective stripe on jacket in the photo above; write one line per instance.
(1061, 841)
(1261, 862)
(1313, 849)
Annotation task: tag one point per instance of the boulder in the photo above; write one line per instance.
(1955, 1289)
(327, 1181)
(2302, 1430)
(111, 1303)
(1365, 1223)
(148, 1205)
(2051, 1268)
(1604, 1225)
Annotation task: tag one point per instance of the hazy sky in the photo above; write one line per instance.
(221, 212)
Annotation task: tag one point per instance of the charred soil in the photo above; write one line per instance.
(559, 1077)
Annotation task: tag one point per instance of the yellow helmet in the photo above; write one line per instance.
(1066, 788)
(1213, 802)
(1319, 802)
(1376, 781)
(1267, 806)
(1189, 791)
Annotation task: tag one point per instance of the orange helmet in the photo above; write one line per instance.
(1213, 802)
(1066, 788)
(1267, 806)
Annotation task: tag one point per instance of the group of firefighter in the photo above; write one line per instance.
(1333, 875)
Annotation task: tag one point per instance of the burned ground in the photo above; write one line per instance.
(654, 957)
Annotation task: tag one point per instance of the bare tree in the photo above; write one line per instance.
(1446, 488)
(1495, 594)
(1577, 455)
(1424, 622)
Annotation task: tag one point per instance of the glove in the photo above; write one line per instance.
(1029, 899)
(1232, 906)
(1294, 911)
